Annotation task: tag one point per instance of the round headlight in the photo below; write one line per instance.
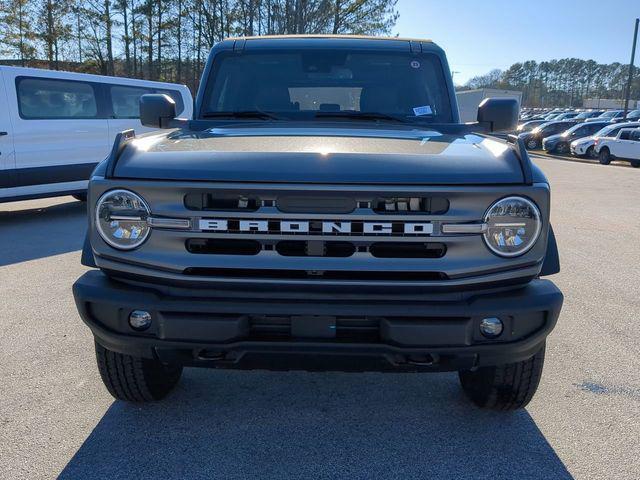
(513, 226)
(121, 219)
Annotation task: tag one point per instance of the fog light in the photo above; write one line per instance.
(491, 327)
(140, 320)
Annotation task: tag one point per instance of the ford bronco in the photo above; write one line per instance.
(323, 210)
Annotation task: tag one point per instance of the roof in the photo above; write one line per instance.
(354, 37)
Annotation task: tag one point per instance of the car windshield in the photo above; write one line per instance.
(321, 84)
(577, 128)
(609, 114)
(606, 131)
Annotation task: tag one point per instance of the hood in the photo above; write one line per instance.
(525, 135)
(581, 140)
(554, 138)
(320, 155)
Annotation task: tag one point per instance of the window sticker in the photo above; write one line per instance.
(424, 110)
(415, 64)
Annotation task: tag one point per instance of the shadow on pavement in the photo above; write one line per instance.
(233, 424)
(41, 232)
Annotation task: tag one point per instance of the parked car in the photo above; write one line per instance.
(633, 115)
(560, 142)
(624, 146)
(552, 116)
(584, 147)
(583, 116)
(56, 126)
(529, 125)
(566, 116)
(533, 139)
(610, 115)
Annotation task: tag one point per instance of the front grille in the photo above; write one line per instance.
(347, 329)
(293, 248)
(378, 236)
(208, 201)
(314, 204)
(408, 250)
(212, 246)
(400, 205)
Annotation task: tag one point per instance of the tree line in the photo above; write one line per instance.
(165, 40)
(564, 82)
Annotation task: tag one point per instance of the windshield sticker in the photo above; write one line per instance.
(424, 110)
(415, 64)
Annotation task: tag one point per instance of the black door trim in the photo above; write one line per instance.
(24, 177)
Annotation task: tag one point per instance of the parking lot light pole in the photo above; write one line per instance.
(633, 57)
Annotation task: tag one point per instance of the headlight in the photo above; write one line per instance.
(121, 219)
(513, 226)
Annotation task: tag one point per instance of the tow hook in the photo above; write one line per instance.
(426, 360)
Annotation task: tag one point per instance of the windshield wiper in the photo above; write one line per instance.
(362, 116)
(242, 114)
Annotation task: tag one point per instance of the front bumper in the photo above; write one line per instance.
(548, 146)
(578, 150)
(335, 331)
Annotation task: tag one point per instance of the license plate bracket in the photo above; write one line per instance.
(313, 326)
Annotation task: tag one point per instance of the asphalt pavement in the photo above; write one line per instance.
(56, 418)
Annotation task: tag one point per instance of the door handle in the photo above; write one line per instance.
(2, 134)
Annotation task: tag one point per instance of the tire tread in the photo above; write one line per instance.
(504, 387)
(135, 379)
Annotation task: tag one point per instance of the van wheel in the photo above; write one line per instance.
(135, 379)
(604, 157)
(82, 197)
(635, 163)
(504, 387)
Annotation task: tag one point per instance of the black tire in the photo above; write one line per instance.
(504, 387)
(82, 197)
(135, 379)
(532, 144)
(604, 157)
(562, 148)
(635, 163)
(590, 153)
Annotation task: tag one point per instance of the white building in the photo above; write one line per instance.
(609, 103)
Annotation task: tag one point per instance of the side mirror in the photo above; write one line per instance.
(157, 110)
(499, 114)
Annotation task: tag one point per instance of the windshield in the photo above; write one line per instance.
(606, 131)
(576, 128)
(609, 114)
(312, 84)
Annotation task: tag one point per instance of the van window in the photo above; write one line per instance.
(125, 101)
(46, 98)
(625, 134)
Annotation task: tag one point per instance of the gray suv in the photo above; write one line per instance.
(324, 209)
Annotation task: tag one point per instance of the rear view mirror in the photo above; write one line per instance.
(499, 114)
(157, 110)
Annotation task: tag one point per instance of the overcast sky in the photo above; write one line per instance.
(479, 36)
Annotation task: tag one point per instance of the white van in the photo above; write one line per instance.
(56, 126)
